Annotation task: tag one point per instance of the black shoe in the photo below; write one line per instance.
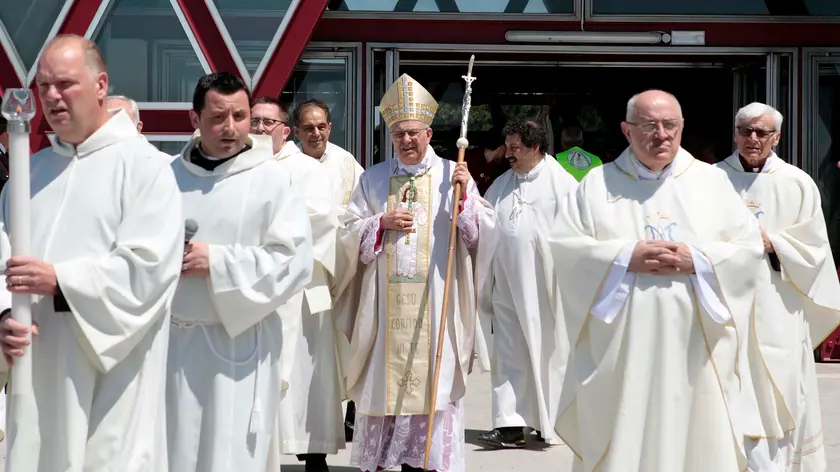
(349, 420)
(503, 438)
(408, 468)
(540, 437)
(314, 462)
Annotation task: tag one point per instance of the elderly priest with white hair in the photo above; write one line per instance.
(398, 225)
(656, 258)
(798, 300)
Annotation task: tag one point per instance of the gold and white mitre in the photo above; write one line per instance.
(407, 100)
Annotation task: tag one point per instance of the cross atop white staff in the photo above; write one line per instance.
(462, 144)
(19, 108)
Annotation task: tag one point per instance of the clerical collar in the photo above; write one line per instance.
(755, 170)
(207, 162)
(415, 169)
(646, 174)
(533, 173)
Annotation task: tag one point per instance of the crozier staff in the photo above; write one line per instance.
(398, 225)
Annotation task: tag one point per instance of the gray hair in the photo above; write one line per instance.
(135, 111)
(756, 110)
(631, 105)
(572, 136)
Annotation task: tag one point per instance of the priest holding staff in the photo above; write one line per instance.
(798, 301)
(107, 239)
(656, 257)
(398, 225)
(518, 290)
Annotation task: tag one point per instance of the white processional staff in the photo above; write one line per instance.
(19, 108)
(462, 144)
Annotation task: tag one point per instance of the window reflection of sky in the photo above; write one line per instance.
(463, 6)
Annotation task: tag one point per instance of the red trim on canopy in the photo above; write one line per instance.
(286, 55)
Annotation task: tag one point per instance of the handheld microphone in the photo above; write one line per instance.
(190, 228)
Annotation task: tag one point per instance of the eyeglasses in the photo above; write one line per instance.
(759, 133)
(412, 133)
(267, 122)
(670, 126)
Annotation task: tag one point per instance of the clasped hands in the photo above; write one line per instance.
(661, 258)
(402, 220)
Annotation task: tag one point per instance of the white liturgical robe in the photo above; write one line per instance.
(225, 374)
(344, 172)
(797, 306)
(518, 292)
(393, 328)
(309, 414)
(657, 361)
(107, 215)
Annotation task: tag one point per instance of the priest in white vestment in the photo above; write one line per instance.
(397, 224)
(313, 405)
(251, 254)
(518, 290)
(798, 301)
(656, 257)
(107, 238)
(294, 431)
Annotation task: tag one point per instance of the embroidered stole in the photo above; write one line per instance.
(408, 338)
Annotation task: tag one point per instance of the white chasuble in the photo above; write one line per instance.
(309, 418)
(392, 329)
(225, 372)
(518, 292)
(797, 307)
(657, 386)
(107, 215)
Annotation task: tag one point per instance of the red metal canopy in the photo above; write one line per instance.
(83, 13)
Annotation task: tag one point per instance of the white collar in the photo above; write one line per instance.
(646, 174)
(533, 173)
(420, 167)
(770, 164)
(2, 148)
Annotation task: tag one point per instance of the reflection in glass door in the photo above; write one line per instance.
(822, 132)
(771, 80)
(330, 75)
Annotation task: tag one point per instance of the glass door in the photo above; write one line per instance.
(770, 79)
(330, 75)
(822, 134)
(383, 69)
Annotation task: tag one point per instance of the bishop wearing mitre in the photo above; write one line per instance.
(656, 258)
(798, 301)
(397, 225)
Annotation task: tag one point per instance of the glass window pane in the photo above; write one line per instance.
(827, 129)
(325, 79)
(148, 54)
(456, 6)
(252, 25)
(680, 7)
(716, 7)
(170, 147)
(28, 23)
(823, 7)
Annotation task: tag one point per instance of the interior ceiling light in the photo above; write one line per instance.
(588, 37)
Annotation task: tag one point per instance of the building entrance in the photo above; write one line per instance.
(589, 91)
(592, 98)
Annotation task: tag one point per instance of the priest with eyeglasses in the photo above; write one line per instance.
(656, 259)
(397, 225)
(798, 301)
